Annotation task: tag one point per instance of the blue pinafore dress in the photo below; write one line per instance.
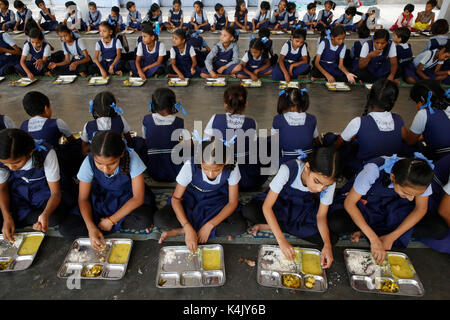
(7, 60)
(35, 55)
(49, 24)
(108, 55)
(148, 59)
(380, 66)
(289, 59)
(184, 62)
(329, 59)
(220, 24)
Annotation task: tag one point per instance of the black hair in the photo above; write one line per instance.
(109, 144)
(238, 5)
(351, 11)
(403, 33)
(92, 4)
(5, 2)
(102, 105)
(38, 2)
(217, 7)
(233, 32)
(213, 146)
(111, 27)
(331, 3)
(411, 172)
(18, 4)
(199, 3)
(235, 97)
(176, 1)
(290, 6)
(432, 2)
(285, 1)
(34, 103)
(115, 9)
(130, 4)
(62, 28)
(383, 95)
(325, 161)
(16, 143)
(182, 34)
(256, 44)
(294, 98)
(363, 31)
(264, 5)
(381, 34)
(69, 3)
(164, 99)
(148, 29)
(31, 24)
(36, 34)
(440, 26)
(419, 93)
(410, 7)
(337, 31)
(299, 33)
(264, 33)
(311, 5)
(154, 7)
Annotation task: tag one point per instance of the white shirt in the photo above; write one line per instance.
(76, 16)
(165, 121)
(8, 122)
(245, 58)
(365, 51)
(384, 122)
(321, 47)
(420, 120)
(140, 50)
(108, 46)
(73, 48)
(427, 59)
(7, 38)
(184, 177)
(234, 121)
(26, 50)
(104, 123)
(296, 119)
(367, 177)
(282, 177)
(199, 17)
(51, 168)
(37, 122)
(285, 50)
(173, 54)
(447, 187)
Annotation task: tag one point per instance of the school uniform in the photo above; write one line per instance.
(292, 19)
(153, 18)
(378, 67)
(198, 20)
(253, 63)
(183, 60)
(249, 168)
(404, 57)
(296, 207)
(203, 200)
(261, 17)
(435, 129)
(22, 16)
(323, 16)
(72, 21)
(94, 19)
(75, 50)
(7, 61)
(329, 60)
(117, 124)
(292, 56)
(307, 18)
(49, 24)
(296, 130)
(355, 52)
(157, 131)
(134, 24)
(241, 19)
(198, 43)
(8, 19)
(281, 19)
(175, 18)
(219, 57)
(148, 58)
(436, 42)
(109, 54)
(429, 61)
(28, 49)
(220, 21)
(6, 122)
(346, 23)
(382, 208)
(268, 51)
(108, 194)
(118, 20)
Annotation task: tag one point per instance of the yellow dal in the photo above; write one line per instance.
(400, 267)
(119, 253)
(30, 245)
(211, 259)
(311, 264)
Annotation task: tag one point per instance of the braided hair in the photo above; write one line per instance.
(419, 94)
(16, 143)
(110, 144)
(293, 97)
(383, 95)
(102, 105)
(411, 172)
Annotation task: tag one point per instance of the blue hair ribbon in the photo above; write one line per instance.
(195, 34)
(304, 90)
(302, 155)
(91, 106)
(428, 103)
(419, 155)
(150, 106)
(447, 94)
(252, 37)
(328, 32)
(264, 40)
(117, 109)
(389, 163)
(237, 32)
(196, 137)
(227, 143)
(38, 145)
(179, 107)
(283, 92)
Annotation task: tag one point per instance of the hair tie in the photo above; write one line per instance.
(195, 34)
(302, 155)
(117, 109)
(236, 32)
(428, 103)
(389, 163)
(91, 106)
(419, 155)
(264, 40)
(252, 37)
(38, 145)
(150, 107)
(196, 137)
(179, 106)
(447, 94)
(283, 92)
(227, 143)
(111, 23)
(328, 33)
(303, 91)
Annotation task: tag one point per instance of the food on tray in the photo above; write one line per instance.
(211, 259)
(284, 85)
(388, 286)
(311, 264)
(276, 261)
(400, 267)
(119, 253)
(291, 281)
(8, 248)
(363, 264)
(310, 282)
(30, 245)
(5, 264)
(93, 272)
(127, 83)
(86, 254)
(170, 257)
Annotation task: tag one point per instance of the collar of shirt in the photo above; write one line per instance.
(28, 165)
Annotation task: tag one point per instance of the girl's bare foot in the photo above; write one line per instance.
(170, 233)
(149, 229)
(83, 74)
(354, 237)
(119, 73)
(258, 227)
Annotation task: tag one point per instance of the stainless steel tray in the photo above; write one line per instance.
(371, 282)
(216, 82)
(9, 252)
(82, 257)
(337, 86)
(61, 80)
(273, 276)
(134, 82)
(98, 81)
(179, 268)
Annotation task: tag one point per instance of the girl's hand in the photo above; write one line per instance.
(8, 229)
(142, 75)
(42, 223)
(111, 70)
(105, 224)
(377, 249)
(190, 238)
(287, 250)
(181, 76)
(254, 77)
(193, 71)
(213, 74)
(387, 241)
(30, 75)
(327, 257)
(287, 77)
(104, 74)
(72, 66)
(204, 232)
(351, 77)
(51, 65)
(291, 68)
(221, 69)
(330, 78)
(39, 64)
(89, 28)
(97, 239)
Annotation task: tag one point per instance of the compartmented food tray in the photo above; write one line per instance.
(216, 82)
(86, 263)
(98, 81)
(304, 273)
(22, 82)
(337, 86)
(249, 83)
(134, 82)
(178, 267)
(20, 254)
(177, 82)
(92, 32)
(395, 276)
(284, 85)
(65, 79)
(277, 32)
(128, 31)
(17, 32)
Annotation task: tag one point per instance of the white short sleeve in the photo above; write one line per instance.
(284, 50)
(364, 50)
(192, 52)
(51, 167)
(85, 173)
(63, 128)
(140, 51)
(126, 127)
(4, 175)
(427, 192)
(26, 49)
(425, 57)
(8, 122)
(321, 47)
(119, 44)
(366, 178)
(344, 49)
(81, 44)
(351, 130)
(162, 50)
(235, 176)
(172, 53)
(137, 167)
(316, 132)
(47, 51)
(7, 38)
(184, 177)
(280, 179)
(447, 187)
(392, 51)
(304, 51)
(84, 135)
(97, 46)
(245, 57)
(419, 122)
(327, 195)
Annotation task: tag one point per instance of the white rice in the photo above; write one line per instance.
(276, 261)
